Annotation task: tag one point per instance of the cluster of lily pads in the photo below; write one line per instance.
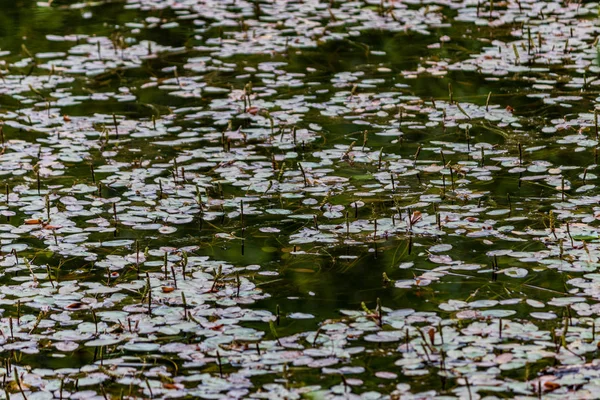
(164, 184)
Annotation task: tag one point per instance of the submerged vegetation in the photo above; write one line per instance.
(299, 199)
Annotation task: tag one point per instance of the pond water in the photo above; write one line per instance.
(299, 199)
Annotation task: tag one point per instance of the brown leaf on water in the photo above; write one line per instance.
(432, 336)
(550, 386)
(216, 327)
(75, 306)
(252, 110)
(13, 387)
(175, 386)
(415, 217)
(303, 270)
